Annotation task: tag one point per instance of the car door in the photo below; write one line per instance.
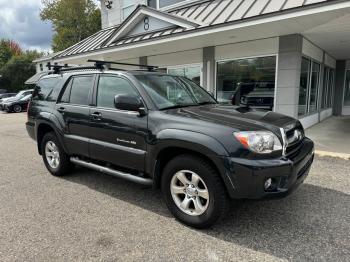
(73, 113)
(118, 137)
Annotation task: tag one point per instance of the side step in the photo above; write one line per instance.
(110, 171)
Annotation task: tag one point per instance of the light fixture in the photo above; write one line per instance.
(108, 4)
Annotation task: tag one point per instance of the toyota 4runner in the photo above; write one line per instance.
(166, 131)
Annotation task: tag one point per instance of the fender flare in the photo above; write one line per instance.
(46, 121)
(192, 141)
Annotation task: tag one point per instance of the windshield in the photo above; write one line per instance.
(27, 97)
(173, 91)
(20, 95)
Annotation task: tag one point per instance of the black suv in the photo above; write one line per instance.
(166, 131)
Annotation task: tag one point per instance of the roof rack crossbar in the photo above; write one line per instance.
(101, 63)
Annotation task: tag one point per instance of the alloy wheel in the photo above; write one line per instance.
(52, 154)
(17, 109)
(189, 193)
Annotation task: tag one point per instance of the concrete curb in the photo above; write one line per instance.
(333, 154)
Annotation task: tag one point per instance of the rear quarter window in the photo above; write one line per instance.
(44, 89)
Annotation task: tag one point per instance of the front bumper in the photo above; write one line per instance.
(249, 176)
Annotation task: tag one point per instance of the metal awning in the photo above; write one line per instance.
(204, 13)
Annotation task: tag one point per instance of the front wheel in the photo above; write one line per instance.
(55, 159)
(194, 192)
(17, 109)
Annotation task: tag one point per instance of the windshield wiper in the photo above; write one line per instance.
(207, 103)
(176, 106)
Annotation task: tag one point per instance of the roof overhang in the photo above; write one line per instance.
(294, 21)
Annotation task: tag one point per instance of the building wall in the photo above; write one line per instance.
(178, 58)
(114, 16)
(255, 48)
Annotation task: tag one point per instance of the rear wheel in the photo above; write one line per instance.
(55, 159)
(17, 108)
(193, 191)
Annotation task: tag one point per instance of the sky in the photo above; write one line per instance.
(20, 21)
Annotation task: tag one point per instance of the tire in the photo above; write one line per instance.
(50, 144)
(17, 109)
(204, 209)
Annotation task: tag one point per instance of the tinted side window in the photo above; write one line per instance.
(81, 87)
(109, 87)
(66, 93)
(44, 87)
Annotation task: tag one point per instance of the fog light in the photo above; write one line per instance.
(268, 183)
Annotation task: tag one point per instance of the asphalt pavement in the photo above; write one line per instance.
(89, 216)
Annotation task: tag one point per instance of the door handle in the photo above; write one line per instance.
(96, 116)
(61, 110)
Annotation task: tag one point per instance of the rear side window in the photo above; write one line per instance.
(80, 90)
(77, 90)
(44, 88)
(109, 87)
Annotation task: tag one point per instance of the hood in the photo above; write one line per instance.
(9, 99)
(239, 118)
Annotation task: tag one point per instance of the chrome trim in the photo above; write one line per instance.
(112, 172)
(284, 141)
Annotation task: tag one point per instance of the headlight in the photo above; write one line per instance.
(262, 142)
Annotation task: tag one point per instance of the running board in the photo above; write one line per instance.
(112, 172)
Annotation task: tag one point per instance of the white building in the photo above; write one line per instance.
(290, 55)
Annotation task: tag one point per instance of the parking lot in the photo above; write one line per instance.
(90, 216)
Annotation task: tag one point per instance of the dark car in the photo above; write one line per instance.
(17, 97)
(17, 106)
(166, 131)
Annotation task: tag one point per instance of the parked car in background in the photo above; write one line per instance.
(6, 95)
(17, 106)
(17, 97)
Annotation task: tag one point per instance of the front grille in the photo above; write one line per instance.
(266, 101)
(294, 137)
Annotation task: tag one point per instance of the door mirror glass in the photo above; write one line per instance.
(128, 103)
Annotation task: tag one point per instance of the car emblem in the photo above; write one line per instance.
(260, 100)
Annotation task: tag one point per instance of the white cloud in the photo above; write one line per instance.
(20, 21)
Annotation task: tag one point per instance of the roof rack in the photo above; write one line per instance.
(57, 69)
(100, 64)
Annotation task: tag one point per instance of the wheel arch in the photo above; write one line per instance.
(42, 129)
(187, 142)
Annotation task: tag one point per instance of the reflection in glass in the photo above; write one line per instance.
(315, 79)
(304, 81)
(247, 82)
(193, 73)
(347, 89)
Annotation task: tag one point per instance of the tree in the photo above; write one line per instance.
(8, 48)
(72, 21)
(18, 69)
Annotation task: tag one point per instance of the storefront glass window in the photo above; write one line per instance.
(193, 73)
(247, 82)
(315, 80)
(331, 83)
(347, 89)
(304, 83)
(325, 87)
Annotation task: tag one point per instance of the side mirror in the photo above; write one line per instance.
(129, 103)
